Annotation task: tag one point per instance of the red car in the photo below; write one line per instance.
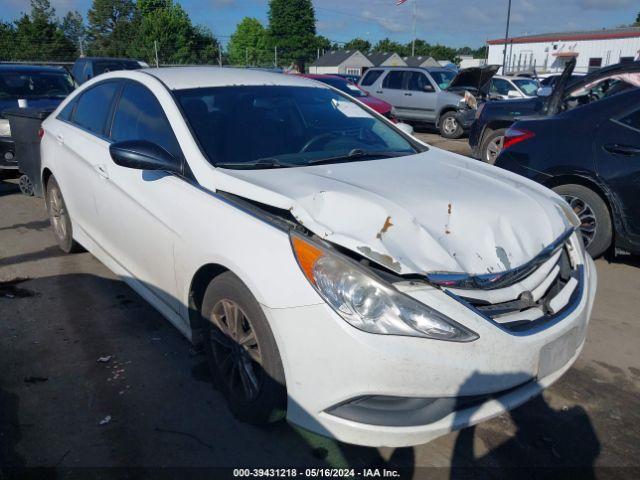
(380, 106)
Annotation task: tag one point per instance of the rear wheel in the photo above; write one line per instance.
(449, 126)
(59, 218)
(492, 146)
(242, 352)
(595, 219)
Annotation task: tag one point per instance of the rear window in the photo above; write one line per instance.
(343, 85)
(94, 106)
(370, 77)
(35, 84)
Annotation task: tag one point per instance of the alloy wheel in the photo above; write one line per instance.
(57, 212)
(450, 125)
(583, 210)
(494, 147)
(236, 350)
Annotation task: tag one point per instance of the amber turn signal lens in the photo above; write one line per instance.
(307, 255)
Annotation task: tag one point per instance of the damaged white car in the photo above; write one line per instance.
(337, 271)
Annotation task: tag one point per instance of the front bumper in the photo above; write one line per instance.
(8, 160)
(327, 363)
(465, 118)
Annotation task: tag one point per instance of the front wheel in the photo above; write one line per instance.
(450, 126)
(242, 353)
(595, 220)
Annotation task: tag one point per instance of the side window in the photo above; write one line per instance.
(632, 120)
(501, 87)
(370, 77)
(66, 112)
(393, 80)
(94, 106)
(417, 81)
(139, 116)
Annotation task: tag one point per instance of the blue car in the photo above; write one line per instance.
(27, 85)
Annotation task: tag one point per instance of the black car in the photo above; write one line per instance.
(35, 86)
(86, 68)
(590, 155)
(494, 117)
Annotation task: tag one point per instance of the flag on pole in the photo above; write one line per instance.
(400, 2)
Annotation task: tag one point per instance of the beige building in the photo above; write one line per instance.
(350, 62)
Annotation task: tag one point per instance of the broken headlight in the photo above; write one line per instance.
(367, 302)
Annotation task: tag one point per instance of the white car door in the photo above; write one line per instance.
(137, 207)
(80, 147)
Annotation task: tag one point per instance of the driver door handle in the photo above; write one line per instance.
(102, 171)
(60, 139)
(626, 150)
(407, 94)
(379, 91)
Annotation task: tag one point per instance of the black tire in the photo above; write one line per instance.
(59, 218)
(491, 140)
(259, 399)
(449, 126)
(597, 229)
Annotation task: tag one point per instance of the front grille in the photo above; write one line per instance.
(543, 297)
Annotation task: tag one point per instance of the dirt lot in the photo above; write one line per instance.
(59, 314)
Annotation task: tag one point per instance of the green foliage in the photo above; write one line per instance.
(73, 28)
(248, 44)
(323, 44)
(292, 28)
(637, 23)
(358, 44)
(111, 26)
(168, 25)
(36, 36)
(387, 46)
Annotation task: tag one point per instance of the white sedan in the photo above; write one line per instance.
(337, 271)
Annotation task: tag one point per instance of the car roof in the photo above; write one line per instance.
(117, 59)
(9, 67)
(180, 78)
(402, 67)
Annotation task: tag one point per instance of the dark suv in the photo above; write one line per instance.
(86, 68)
(38, 87)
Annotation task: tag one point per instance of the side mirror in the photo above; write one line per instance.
(144, 155)
(405, 127)
(429, 88)
(513, 94)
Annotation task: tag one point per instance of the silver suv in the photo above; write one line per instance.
(418, 94)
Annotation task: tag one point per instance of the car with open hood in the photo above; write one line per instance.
(589, 152)
(336, 270)
(492, 119)
(427, 95)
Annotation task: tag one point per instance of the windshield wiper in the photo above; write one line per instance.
(268, 162)
(358, 154)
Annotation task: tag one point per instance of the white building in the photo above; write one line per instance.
(548, 52)
(467, 61)
(387, 59)
(350, 62)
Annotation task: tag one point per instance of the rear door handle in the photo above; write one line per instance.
(60, 139)
(102, 171)
(379, 91)
(407, 94)
(626, 150)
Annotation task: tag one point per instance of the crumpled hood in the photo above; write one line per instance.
(433, 211)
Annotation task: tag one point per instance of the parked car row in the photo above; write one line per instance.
(582, 141)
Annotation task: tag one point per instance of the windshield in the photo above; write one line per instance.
(527, 85)
(265, 126)
(35, 84)
(343, 85)
(442, 78)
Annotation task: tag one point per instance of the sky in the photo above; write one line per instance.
(454, 23)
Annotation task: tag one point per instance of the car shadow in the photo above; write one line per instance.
(165, 413)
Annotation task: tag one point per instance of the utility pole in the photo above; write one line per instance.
(219, 55)
(155, 47)
(415, 14)
(275, 56)
(81, 46)
(246, 56)
(506, 39)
